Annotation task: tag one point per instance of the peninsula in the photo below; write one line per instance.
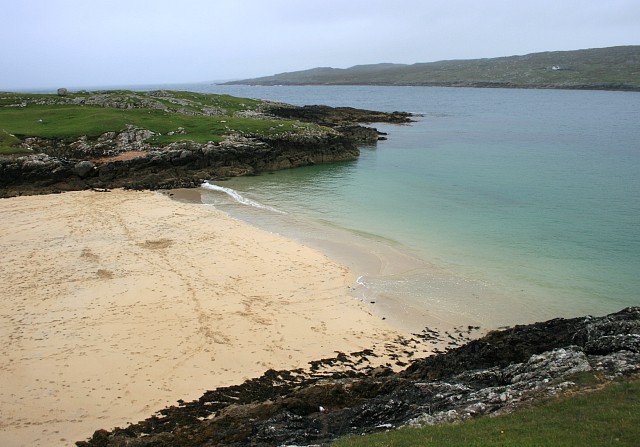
(613, 68)
(165, 139)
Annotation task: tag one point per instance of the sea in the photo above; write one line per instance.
(495, 207)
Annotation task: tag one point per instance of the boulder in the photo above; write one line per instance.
(83, 168)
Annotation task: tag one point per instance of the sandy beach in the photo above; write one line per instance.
(116, 304)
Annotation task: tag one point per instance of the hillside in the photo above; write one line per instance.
(613, 68)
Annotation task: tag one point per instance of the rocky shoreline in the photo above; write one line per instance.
(491, 375)
(127, 159)
(179, 165)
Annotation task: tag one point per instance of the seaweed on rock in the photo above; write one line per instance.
(492, 374)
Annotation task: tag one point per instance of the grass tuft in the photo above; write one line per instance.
(8, 143)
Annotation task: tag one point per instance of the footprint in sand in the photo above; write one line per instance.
(156, 244)
(104, 274)
(89, 255)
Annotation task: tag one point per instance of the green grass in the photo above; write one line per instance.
(68, 122)
(610, 416)
(8, 143)
(227, 102)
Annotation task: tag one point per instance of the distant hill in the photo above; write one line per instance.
(613, 68)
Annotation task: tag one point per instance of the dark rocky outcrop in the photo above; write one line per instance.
(345, 120)
(493, 374)
(182, 164)
(336, 116)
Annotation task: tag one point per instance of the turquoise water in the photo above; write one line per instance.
(520, 204)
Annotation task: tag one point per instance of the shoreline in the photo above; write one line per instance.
(86, 272)
(365, 257)
(395, 283)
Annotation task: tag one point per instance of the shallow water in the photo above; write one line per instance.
(519, 205)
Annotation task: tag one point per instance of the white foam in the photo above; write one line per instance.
(235, 195)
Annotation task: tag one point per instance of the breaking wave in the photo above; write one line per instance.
(235, 195)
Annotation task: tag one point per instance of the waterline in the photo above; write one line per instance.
(235, 195)
(395, 283)
(528, 199)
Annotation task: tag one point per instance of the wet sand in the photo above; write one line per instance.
(117, 304)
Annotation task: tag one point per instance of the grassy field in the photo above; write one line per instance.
(70, 122)
(608, 416)
(171, 99)
(160, 114)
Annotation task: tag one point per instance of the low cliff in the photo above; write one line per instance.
(180, 164)
(494, 374)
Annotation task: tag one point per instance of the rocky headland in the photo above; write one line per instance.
(134, 156)
(494, 374)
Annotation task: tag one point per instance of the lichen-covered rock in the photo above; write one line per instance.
(132, 137)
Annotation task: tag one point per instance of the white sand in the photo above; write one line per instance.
(115, 305)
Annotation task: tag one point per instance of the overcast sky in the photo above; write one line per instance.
(90, 43)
